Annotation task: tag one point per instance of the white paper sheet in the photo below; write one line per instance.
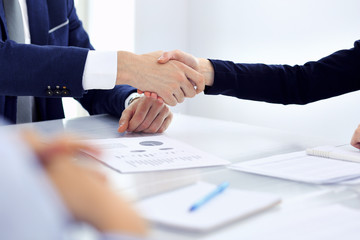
(172, 208)
(152, 153)
(298, 166)
(332, 222)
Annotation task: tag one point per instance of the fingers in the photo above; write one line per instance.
(166, 123)
(180, 95)
(194, 78)
(355, 140)
(165, 57)
(59, 148)
(153, 95)
(153, 113)
(147, 114)
(160, 99)
(64, 147)
(134, 115)
(161, 122)
(180, 56)
(126, 115)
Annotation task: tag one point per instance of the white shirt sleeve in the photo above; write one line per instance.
(100, 70)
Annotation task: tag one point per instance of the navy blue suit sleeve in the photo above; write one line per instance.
(336, 74)
(107, 101)
(51, 60)
(27, 70)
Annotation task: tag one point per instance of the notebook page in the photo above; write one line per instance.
(172, 208)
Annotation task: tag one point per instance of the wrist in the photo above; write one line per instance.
(207, 69)
(125, 65)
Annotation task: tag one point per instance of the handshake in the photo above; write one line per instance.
(170, 76)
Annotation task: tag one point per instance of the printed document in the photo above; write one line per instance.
(299, 166)
(152, 153)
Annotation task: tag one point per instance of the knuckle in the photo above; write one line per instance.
(179, 76)
(192, 93)
(137, 118)
(153, 128)
(145, 124)
(168, 95)
(170, 115)
(177, 52)
(159, 105)
(202, 79)
(167, 111)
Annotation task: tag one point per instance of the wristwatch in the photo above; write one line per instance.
(134, 96)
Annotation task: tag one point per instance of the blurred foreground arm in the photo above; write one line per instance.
(85, 191)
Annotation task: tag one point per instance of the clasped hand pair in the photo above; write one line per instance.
(170, 77)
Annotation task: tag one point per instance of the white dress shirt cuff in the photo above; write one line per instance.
(100, 70)
(132, 97)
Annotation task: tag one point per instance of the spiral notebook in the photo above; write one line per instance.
(342, 152)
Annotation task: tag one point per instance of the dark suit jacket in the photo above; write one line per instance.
(331, 76)
(56, 57)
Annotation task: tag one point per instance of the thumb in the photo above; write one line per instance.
(165, 57)
(124, 121)
(180, 56)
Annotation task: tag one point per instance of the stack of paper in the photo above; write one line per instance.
(171, 209)
(299, 166)
(152, 153)
(344, 152)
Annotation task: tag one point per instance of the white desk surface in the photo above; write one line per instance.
(228, 140)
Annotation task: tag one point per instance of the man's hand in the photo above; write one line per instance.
(180, 56)
(146, 114)
(172, 81)
(47, 149)
(355, 140)
(201, 65)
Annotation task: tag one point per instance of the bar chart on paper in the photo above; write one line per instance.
(152, 153)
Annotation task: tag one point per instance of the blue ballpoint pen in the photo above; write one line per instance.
(219, 189)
